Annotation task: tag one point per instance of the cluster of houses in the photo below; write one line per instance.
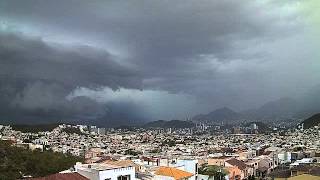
(178, 153)
(267, 163)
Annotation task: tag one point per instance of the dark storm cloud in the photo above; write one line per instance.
(37, 77)
(224, 53)
(33, 59)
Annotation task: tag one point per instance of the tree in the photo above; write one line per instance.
(131, 152)
(213, 171)
(16, 162)
(169, 142)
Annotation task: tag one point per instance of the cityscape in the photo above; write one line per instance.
(159, 90)
(177, 153)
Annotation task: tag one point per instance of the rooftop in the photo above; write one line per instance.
(98, 167)
(173, 172)
(62, 176)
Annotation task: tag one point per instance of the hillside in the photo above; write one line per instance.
(311, 121)
(219, 115)
(283, 107)
(34, 128)
(169, 124)
(15, 162)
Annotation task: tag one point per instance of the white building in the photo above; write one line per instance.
(302, 161)
(102, 131)
(284, 157)
(105, 171)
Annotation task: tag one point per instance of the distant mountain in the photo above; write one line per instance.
(281, 108)
(169, 124)
(158, 123)
(311, 121)
(309, 103)
(219, 115)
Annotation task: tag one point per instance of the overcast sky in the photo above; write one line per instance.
(157, 59)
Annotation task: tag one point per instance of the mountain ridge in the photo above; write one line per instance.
(312, 121)
(169, 124)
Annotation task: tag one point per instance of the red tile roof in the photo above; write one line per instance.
(61, 176)
(177, 174)
(234, 162)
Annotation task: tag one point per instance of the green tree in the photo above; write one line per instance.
(131, 152)
(213, 171)
(16, 162)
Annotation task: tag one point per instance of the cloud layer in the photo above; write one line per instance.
(206, 54)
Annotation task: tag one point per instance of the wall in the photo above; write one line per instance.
(113, 174)
(90, 174)
(216, 161)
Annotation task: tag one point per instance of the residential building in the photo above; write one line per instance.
(105, 171)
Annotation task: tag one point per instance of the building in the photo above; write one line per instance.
(244, 169)
(61, 176)
(93, 129)
(102, 131)
(105, 171)
(188, 165)
(234, 173)
(218, 161)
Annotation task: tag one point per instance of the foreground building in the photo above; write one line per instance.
(61, 176)
(105, 171)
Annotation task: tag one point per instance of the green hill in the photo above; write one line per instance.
(16, 162)
(34, 128)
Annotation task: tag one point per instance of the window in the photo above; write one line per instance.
(125, 177)
(196, 168)
(108, 179)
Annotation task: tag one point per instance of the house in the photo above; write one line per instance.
(254, 164)
(264, 167)
(188, 165)
(171, 173)
(93, 152)
(302, 161)
(272, 155)
(122, 163)
(245, 155)
(316, 156)
(284, 157)
(218, 161)
(244, 169)
(234, 173)
(105, 171)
